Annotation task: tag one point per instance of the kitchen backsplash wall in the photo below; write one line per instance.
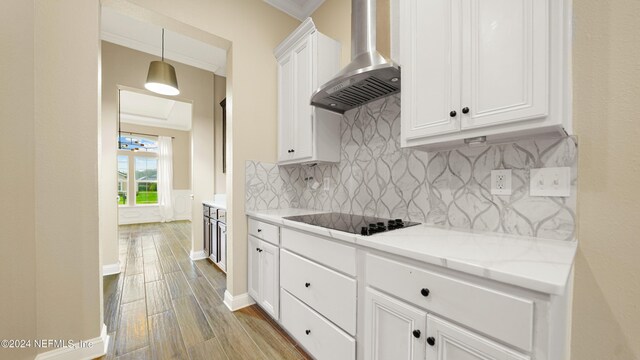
(377, 177)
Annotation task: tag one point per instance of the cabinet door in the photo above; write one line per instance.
(214, 241)
(505, 61)
(222, 239)
(394, 330)
(430, 46)
(451, 342)
(303, 88)
(254, 268)
(269, 278)
(206, 225)
(286, 96)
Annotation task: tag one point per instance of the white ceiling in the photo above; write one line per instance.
(142, 36)
(299, 9)
(142, 109)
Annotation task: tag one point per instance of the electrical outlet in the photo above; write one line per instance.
(326, 184)
(501, 182)
(550, 182)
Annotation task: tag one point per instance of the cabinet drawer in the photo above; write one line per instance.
(264, 231)
(330, 293)
(318, 336)
(338, 256)
(213, 212)
(497, 314)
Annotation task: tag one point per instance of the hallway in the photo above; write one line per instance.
(165, 306)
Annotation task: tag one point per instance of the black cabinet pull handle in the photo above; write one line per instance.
(293, 150)
(453, 113)
(257, 249)
(307, 284)
(307, 332)
(431, 340)
(416, 334)
(465, 110)
(259, 230)
(425, 292)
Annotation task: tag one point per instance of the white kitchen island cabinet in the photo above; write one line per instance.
(475, 71)
(306, 134)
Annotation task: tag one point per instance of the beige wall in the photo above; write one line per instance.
(51, 283)
(252, 29)
(128, 68)
(181, 151)
(17, 158)
(67, 58)
(220, 93)
(333, 18)
(606, 83)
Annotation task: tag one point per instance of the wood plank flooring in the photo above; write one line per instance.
(165, 306)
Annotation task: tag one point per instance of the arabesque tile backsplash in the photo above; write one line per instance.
(377, 177)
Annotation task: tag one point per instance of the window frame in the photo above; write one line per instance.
(136, 181)
(126, 182)
(132, 183)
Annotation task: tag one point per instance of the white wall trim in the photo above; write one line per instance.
(111, 269)
(98, 348)
(237, 302)
(197, 255)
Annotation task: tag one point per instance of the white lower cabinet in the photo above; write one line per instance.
(341, 302)
(264, 278)
(394, 330)
(451, 342)
(322, 339)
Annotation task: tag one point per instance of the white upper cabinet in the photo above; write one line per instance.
(481, 68)
(306, 60)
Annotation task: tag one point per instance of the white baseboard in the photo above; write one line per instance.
(197, 255)
(111, 269)
(97, 348)
(237, 302)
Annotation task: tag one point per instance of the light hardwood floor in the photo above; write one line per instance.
(165, 306)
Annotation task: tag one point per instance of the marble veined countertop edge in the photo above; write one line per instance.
(537, 264)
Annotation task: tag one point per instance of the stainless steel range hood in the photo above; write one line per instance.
(369, 76)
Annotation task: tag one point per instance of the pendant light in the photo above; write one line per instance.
(161, 78)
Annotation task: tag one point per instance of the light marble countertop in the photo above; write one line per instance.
(537, 264)
(219, 201)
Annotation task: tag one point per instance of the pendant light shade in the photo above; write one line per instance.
(162, 78)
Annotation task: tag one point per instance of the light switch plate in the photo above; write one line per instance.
(550, 182)
(501, 182)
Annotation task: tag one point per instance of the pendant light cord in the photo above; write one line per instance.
(162, 44)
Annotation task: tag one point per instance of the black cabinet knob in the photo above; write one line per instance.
(431, 340)
(257, 249)
(259, 230)
(307, 332)
(453, 113)
(425, 292)
(416, 334)
(307, 284)
(465, 110)
(293, 150)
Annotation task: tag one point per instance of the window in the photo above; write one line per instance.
(146, 180)
(137, 156)
(137, 144)
(123, 179)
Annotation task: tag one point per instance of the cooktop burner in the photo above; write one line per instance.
(355, 224)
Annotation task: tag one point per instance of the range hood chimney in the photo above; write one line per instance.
(369, 76)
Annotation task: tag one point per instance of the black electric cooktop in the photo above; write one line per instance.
(355, 224)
